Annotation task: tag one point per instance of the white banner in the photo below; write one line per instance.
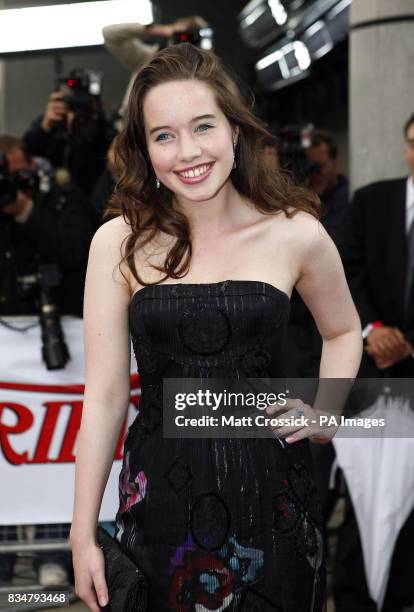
(40, 413)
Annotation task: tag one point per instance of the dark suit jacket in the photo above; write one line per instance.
(374, 252)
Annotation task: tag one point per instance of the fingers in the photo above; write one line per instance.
(289, 405)
(301, 421)
(55, 112)
(90, 583)
(397, 334)
(295, 416)
(386, 341)
(387, 362)
(100, 588)
(93, 594)
(387, 359)
(87, 594)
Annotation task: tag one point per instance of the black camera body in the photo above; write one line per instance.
(10, 183)
(82, 90)
(199, 37)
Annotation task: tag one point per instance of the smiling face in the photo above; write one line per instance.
(189, 139)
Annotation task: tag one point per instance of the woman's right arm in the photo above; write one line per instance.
(106, 400)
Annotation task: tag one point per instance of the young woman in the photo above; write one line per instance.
(199, 269)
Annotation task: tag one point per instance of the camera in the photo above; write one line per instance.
(199, 37)
(82, 89)
(10, 183)
(55, 352)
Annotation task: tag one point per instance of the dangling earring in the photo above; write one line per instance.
(157, 182)
(234, 154)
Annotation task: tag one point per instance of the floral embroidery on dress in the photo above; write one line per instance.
(256, 361)
(209, 521)
(244, 561)
(131, 491)
(204, 329)
(204, 581)
(295, 509)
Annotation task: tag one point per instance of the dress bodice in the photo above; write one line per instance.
(227, 329)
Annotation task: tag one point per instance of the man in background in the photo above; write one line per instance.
(40, 223)
(378, 254)
(327, 181)
(73, 133)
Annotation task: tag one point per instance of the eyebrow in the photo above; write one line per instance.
(168, 127)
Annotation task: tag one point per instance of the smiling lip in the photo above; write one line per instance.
(200, 173)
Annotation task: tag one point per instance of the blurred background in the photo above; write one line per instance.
(332, 80)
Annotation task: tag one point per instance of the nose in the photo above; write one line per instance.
(189, 148)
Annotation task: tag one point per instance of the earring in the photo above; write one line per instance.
(234, 154)
(157, 182)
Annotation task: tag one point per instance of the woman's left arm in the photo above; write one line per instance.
(323, 287)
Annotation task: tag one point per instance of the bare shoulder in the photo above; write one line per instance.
(112, 232)
(108, 245)
(110, 238)
(301, 229)
(306, 233)
(304, 223)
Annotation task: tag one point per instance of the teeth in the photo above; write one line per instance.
(196, 172)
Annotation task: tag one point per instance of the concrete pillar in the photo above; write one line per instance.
(381, 87)
(2, 88)
(2, 98)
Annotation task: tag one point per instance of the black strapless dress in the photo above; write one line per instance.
(217, 524)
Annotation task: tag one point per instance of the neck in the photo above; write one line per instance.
(212, 216)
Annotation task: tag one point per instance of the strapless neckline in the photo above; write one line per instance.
(219, 284)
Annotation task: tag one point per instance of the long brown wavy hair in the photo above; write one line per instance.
(149, 210)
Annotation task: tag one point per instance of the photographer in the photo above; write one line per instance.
(73, 133)
(40, 223)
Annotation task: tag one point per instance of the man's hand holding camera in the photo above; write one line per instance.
(56, 111)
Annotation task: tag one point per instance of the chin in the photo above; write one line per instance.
(202, 193)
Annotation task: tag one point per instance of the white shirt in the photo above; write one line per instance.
(409, 203)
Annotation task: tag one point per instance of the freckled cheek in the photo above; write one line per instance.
(163, 159)
(218, 150)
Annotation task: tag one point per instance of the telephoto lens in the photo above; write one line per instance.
(55, 352)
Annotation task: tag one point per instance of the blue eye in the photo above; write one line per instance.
(204, 127)
(161, 137)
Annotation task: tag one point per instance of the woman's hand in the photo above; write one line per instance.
(89, 568)
(306, 423)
